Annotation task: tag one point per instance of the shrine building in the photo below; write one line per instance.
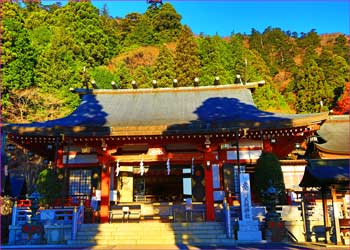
(162, 144)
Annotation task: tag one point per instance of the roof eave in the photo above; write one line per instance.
(331, 151)
(180, 128)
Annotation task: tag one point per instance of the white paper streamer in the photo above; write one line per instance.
(117, 169)
(168, 166)
(142, 168)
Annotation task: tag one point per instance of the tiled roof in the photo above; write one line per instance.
(320, 173)
(336, 132)
(167, 111)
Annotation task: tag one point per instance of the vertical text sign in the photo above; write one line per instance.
(246, 202)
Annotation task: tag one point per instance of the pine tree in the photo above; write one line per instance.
(279, 48)
(187, 62)
(214, 56)
(336, 71)
(123, 76)
(143, 76)
(140, 34)
(103, 77)
(341, 48)
(18, 56)
(309, 40)
(313, 93)
(126, 25)
(163, 70)
(166, 23)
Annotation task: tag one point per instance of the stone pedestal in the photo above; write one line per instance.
(249, 231)
(275, 231)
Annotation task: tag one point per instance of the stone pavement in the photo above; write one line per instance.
(252, 246)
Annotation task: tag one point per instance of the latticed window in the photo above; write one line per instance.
(79, 184)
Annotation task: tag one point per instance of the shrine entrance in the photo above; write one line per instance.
(156, 184)
(153, 189)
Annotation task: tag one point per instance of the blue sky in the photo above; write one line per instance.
(225, 17)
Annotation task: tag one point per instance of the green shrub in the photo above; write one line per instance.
(268, 168)
(49, 186)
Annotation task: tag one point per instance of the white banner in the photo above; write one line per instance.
(216, 175)
(246, 201)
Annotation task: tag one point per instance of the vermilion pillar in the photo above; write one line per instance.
(209, 191)
(105, 189)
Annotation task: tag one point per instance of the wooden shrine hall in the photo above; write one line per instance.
(164, 144)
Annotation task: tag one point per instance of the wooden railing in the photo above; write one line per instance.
(20, 215)
(55, 216)
(227, 219)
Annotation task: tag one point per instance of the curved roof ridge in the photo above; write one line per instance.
(248, 85)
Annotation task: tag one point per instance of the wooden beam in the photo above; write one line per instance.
(174, 157)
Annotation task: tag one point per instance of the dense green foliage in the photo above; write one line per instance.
(49, 186)
(186, 58)
(268, 172)
(45, 49)
(164, 70)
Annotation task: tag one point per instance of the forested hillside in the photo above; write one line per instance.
(48, 49)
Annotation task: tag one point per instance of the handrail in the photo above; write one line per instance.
(20, 215)
(61, 216)
(14, 214)
(78, 219)
(227, 215)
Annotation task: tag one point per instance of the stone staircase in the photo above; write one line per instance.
(155, 233)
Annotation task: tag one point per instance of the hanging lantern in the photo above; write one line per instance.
(117, 169)
(142, 168)
(168, 166)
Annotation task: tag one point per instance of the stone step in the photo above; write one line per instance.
(154, 226)
(155, 222)
(153, 241)
(151, 233)
(143, 229)
(155, 236)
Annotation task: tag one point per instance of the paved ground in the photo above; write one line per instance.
(256, 246)
(252, 246)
